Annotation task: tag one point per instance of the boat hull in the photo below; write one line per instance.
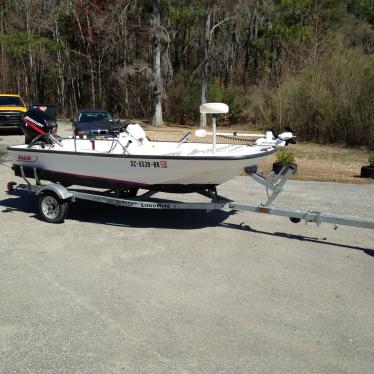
(162, 173)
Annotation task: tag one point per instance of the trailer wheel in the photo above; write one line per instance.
(51, 208)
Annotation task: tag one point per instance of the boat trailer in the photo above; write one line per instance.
(54, 200)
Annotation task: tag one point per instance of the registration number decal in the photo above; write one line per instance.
(148, 164)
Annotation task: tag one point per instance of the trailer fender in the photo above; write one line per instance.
(62, 192)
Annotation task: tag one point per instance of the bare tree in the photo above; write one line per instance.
(3, 56)
(205, 63)
(156, 65)
(208, 33)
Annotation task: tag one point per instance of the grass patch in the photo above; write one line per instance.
(326, 163)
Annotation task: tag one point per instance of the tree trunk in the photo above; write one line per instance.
(205, 64)
(100, 80)
(32, 86)
(90, 56)
(3, 60)
(60, 72)
(123, 106)
(156, 66)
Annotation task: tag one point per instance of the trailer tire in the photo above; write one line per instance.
(51, 208)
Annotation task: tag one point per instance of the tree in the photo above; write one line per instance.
(160, 59)
(156, 65)
(205, 64)
(208, 33)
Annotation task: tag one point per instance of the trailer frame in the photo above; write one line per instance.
(60, 197)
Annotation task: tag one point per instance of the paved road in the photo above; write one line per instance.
(117, 290)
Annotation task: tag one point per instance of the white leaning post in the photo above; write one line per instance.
(214, 109)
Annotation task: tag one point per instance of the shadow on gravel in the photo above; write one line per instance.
(301, 238)
(93, 212)
(24, 202)
(143, 218)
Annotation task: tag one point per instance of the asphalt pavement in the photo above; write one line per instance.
(119, 290)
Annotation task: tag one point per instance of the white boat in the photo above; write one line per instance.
(131, 161)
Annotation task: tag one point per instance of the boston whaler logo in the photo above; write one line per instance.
(27, 158)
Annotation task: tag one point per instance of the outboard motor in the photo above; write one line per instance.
(38, 123)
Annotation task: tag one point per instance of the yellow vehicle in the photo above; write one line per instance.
(12, 109)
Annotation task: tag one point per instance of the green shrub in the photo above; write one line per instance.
(371, 160)
(233, 96)
(285, 156)
(183, 99)
(329, 101)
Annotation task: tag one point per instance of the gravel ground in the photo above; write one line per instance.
(115, 290)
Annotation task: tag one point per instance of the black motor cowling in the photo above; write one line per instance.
(38, 123)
